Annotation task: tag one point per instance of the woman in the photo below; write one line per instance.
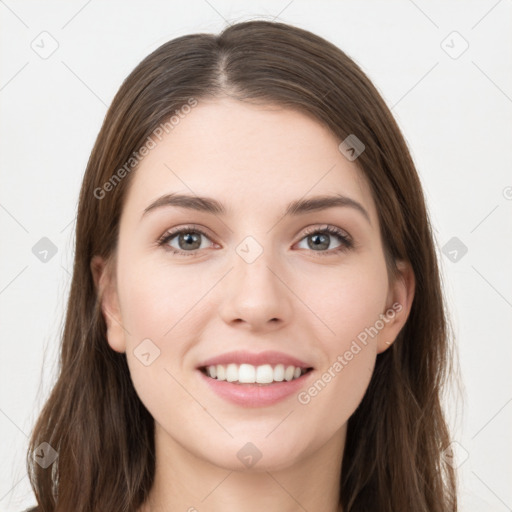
(255, 318)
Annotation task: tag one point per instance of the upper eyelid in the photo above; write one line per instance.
(325, 227)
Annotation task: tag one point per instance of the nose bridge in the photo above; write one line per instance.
(253, 263)
(255, 292)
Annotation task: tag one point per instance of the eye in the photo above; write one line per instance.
(186, 241)
(188, 238)
(320, 238)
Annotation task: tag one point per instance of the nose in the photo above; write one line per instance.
(255, 294)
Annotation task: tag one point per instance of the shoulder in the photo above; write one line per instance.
(33, 509)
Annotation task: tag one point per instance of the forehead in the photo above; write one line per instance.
(247, 156)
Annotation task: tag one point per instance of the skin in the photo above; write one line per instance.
(255, 160)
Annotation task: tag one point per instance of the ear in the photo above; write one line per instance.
(105, 282)
(399, 302)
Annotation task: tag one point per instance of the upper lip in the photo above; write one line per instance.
(256, 359)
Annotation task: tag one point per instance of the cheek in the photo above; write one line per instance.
(349, 306)
(338, 388)
(157, 305)
(348, 301)
(349, 356)
(156, 298)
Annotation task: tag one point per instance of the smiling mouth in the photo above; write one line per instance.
(276, 376)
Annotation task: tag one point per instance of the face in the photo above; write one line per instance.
(253, 278)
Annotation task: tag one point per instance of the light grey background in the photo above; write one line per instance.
(454, 108)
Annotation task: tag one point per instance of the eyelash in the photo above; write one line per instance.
(346, 242)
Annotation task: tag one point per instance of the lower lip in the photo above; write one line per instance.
(254, 395)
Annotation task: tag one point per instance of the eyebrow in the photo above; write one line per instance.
(295, 208)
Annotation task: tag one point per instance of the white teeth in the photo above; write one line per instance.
(232, 372)
(264, 374)
(249, 374)
(221, 372)
(246, 373)
(279, 373)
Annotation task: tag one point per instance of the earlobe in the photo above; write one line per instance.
(399, 303)
(104, 281)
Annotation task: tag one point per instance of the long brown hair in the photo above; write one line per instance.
(104, 436)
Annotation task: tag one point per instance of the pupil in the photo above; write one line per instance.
(317, 243)
(188, 237)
